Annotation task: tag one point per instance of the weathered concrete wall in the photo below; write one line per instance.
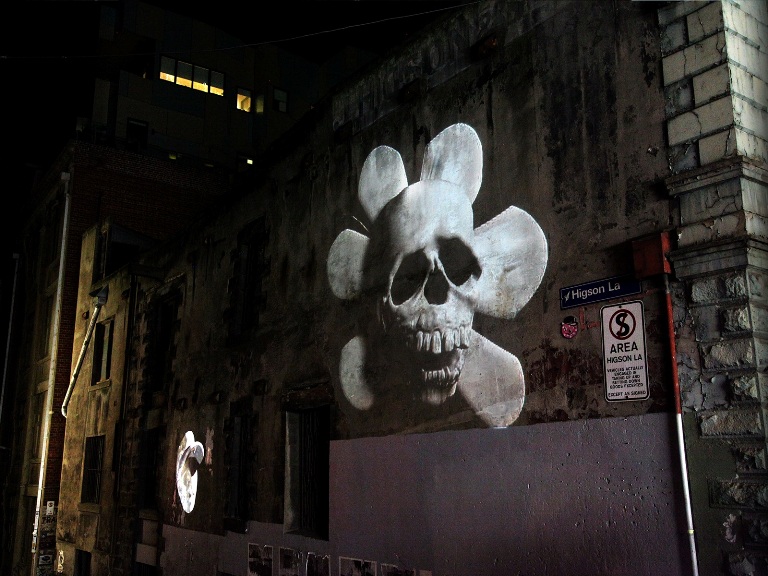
(568, 110)
(525, 500)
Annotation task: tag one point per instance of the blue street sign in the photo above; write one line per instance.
(598, 290)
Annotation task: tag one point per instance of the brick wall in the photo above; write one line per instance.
(714, 66)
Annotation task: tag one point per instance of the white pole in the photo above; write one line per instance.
(48, 414)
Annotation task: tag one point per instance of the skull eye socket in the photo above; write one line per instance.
(409, 277)
(459, 262)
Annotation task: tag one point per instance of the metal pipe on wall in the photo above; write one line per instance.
(48, 413)
(650, 259)
(101, 299)
(679, 424)
(8, 340)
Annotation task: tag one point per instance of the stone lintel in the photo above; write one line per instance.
(715, 173)
(718, 257)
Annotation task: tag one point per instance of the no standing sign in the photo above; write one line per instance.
(624, 359)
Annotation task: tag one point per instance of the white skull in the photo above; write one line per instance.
(428, 271)
(429, 305)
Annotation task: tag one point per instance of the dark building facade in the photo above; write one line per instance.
(497, 307)
(175, 125)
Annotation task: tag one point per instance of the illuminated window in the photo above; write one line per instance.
(184, 72)
(102, 351)
(201, 79)
(260, 104)
(167, 69)
(280, 100)
(217, 83)
(191, 76)
(243, 99)
(93, 462)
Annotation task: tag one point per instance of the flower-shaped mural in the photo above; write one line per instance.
(424, 271)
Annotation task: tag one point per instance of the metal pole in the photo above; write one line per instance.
(10, 328)
(48, 413)
(679, 422)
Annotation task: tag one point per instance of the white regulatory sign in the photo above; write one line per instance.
(624, 360)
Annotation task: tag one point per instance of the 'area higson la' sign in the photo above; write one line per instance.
(624, 358)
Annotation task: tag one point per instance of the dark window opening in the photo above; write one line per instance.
(136, 135)
(237, 433)
(148, 467)
(250, 268)
(140, 569)
(82, 563)
(102, 351)
(93, 462)
(162, 347)
(307, 463)
(116, 247)
(280, 100)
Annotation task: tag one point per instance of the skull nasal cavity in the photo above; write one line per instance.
(436, 289)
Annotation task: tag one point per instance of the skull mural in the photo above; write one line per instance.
(426, 270)
(188, 458)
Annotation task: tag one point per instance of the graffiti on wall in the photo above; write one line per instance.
(188, 458)
(423, 271)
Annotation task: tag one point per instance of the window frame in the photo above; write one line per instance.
(279, 100)
(93, 469)
(244, 100)
(309, 415)
(191, 75)
(103, 340)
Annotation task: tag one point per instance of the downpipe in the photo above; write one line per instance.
(65, 177)
(650, 259)
(8, 339)
(679, 424)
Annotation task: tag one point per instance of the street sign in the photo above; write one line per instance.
(598, 290)
(624, 361)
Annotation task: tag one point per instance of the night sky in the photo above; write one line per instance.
(47, 58)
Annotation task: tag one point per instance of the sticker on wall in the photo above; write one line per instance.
(289, 562)
(422, 271)
(188, 458)
(569, 327)
(392, 570)
(317, 564)
(259, 560)
(355, 567)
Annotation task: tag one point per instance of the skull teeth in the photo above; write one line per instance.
(437, 341)
(443, 377)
